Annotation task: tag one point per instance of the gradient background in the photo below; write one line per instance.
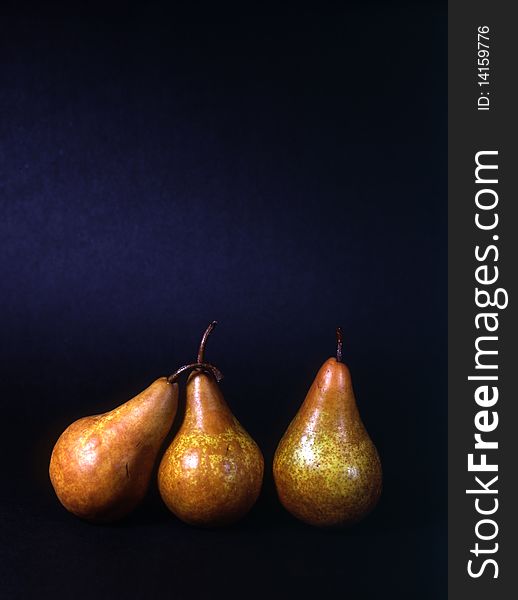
(282, 171)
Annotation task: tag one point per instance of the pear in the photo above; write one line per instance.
(326, 468)
(212, 472)
(101, 465)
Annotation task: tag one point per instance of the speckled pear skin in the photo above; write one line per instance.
(212, 472)
(326, 469)
(101, 465)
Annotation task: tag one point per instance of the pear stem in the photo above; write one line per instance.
(339, 344)
(208, 368)
(208, 331)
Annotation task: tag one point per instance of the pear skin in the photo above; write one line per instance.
(326, 468)
(101, 465)
(212, 472)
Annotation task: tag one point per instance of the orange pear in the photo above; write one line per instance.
(101, 465)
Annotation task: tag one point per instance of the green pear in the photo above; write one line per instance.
(326, 468)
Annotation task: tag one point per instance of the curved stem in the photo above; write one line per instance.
(208, 331)
(339, 344)
(207, 367)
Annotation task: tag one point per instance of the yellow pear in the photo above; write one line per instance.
(326, 468)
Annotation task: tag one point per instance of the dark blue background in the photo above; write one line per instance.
(282, 171)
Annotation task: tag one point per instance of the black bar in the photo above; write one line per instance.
(482, 119)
